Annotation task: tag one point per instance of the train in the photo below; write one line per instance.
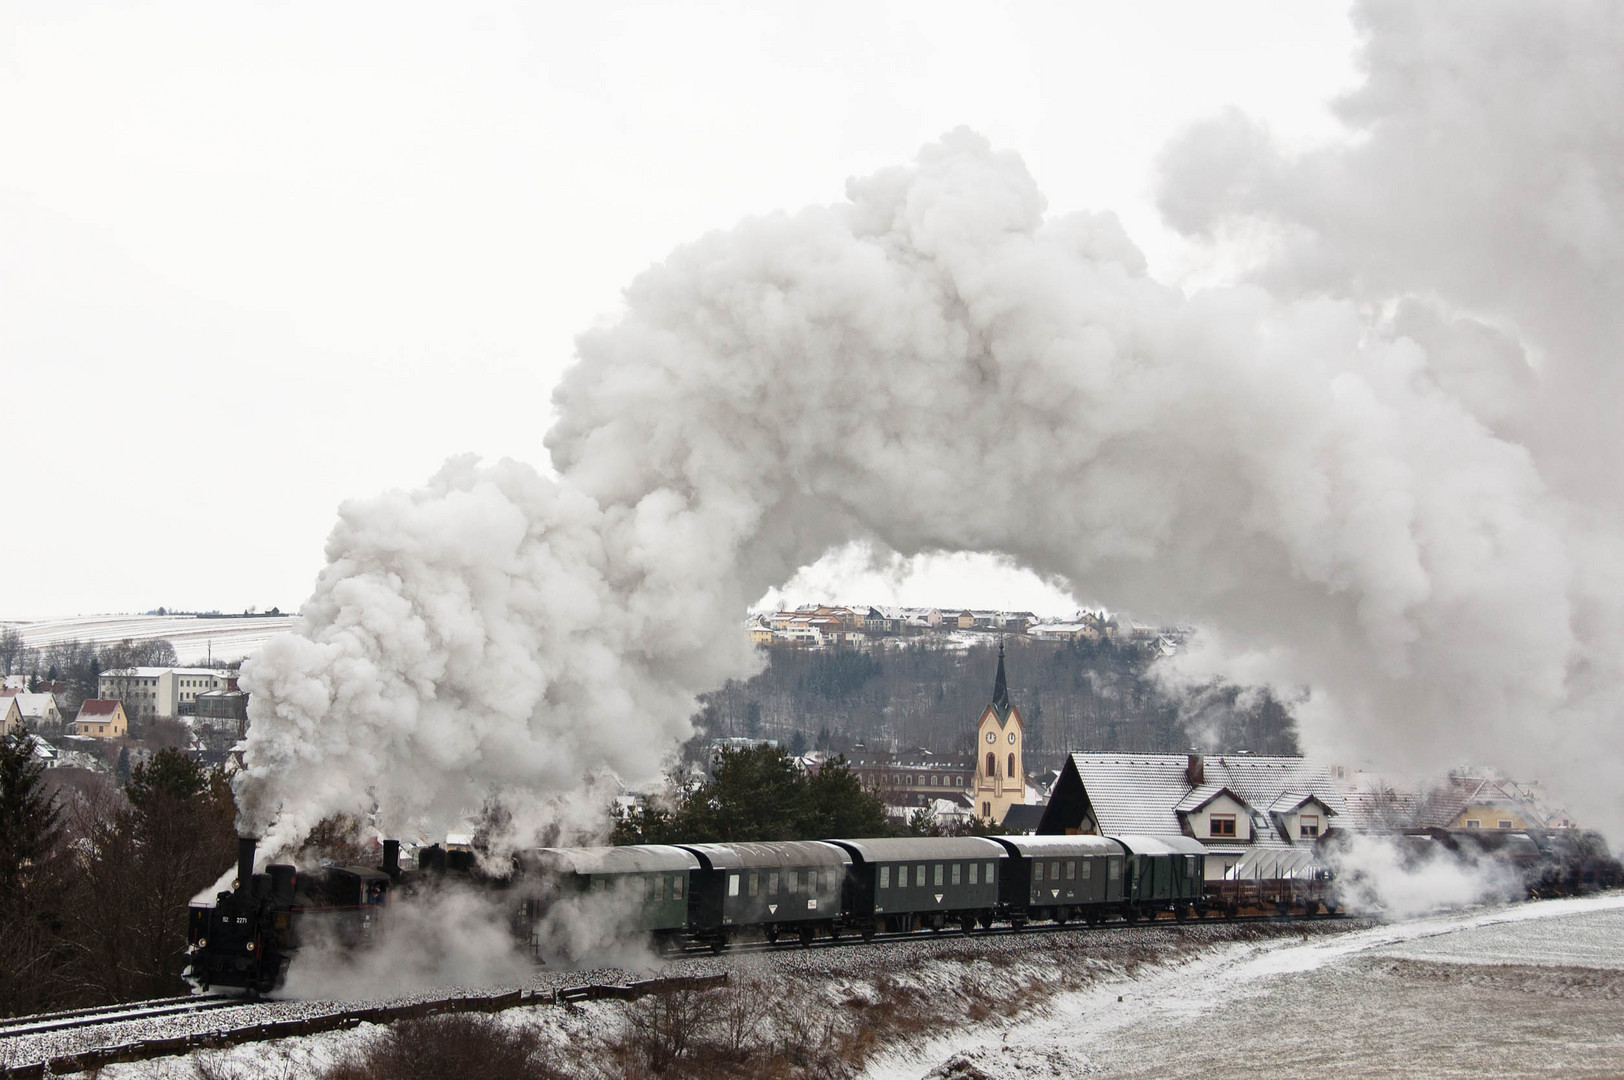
(678, 897)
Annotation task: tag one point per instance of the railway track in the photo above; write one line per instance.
(128, 1012)
(98, 1057)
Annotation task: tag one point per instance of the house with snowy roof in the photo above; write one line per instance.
(39, 711)
(1257, 816)
(11, 718)
(1475, 802)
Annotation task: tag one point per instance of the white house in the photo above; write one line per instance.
(1252, 813)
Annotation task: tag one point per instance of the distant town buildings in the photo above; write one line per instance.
(824, 626)
(150, 693)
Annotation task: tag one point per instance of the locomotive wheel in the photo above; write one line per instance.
(1229, 911)
(1180, 913)
(718, 944)
(771, 933)
(1092, 918)
(868, 932)
(1131, 914)
(967, 923)
(807, 934)
(1061, 915)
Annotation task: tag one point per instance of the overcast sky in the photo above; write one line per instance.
(260, 258)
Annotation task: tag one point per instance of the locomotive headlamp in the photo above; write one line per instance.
(202, 942)
(250, 946)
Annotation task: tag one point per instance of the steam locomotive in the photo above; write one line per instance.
(679, 896)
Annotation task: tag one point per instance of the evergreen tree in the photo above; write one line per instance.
(121, 772)
(29, 820)
(30, 880)
(758, 793)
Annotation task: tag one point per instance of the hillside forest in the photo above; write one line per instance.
(928, 693)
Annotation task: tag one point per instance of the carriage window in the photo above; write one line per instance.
(755, 884)
(989, 873)
(733, 884)
(1189, 866)
(772, 883)
(1037, 871)
(938, 874)
(656, 887)
(1071, 869)
(1054, 870)
(885, 877)
(1088, 869)
(794, 881)
(1115, 865)
(919, 875)
(973, 868)
(676, 887)
(956, 871)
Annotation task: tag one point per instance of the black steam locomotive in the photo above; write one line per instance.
(678, 896)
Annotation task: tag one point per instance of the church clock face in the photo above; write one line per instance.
(992, 737)
(1012, 738)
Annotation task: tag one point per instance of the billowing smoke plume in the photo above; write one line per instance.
(1338, 470)
(1399, 879)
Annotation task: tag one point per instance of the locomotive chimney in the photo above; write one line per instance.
(391, 859)
(1195, 770)
(245, 860)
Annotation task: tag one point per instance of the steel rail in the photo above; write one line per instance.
(112, 1014)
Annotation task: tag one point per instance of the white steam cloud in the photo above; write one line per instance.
(443, 937)
(1384, 468)
(1401, 879)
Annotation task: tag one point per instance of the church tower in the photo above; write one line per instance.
(1000, 746)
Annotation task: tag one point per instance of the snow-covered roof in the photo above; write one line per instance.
(1145, 793)
(35, 705)
(1445, 802)
(98, 707)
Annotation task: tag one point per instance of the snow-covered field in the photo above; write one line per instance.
(1527, 990)
(196, 640)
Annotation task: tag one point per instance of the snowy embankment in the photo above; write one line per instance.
(831, 1009)
(1529, 989)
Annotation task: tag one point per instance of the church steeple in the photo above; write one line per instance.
(1000, 688)
(1000, 780)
